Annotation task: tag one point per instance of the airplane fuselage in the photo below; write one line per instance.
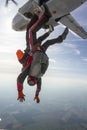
(58, 9)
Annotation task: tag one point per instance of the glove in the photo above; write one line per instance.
(21, 96)
(37, 99)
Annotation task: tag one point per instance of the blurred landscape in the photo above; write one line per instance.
(61, 108)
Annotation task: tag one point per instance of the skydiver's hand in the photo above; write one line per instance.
(21, 96)
(37, 99)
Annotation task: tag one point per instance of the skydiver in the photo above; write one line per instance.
(43, 19)
(31, 79)
(23, 58)
(22, 76)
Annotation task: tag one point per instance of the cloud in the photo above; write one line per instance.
(84, 59)
(73, 47)
(66, 81)
(69, 45)
(77, 51)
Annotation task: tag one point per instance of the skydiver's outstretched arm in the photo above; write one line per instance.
(59, 39)
(44, 36)
(21, 78)
(38, 89)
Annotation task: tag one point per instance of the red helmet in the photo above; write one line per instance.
(31, 80)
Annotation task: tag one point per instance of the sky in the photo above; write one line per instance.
(64, 86)
(68, 61)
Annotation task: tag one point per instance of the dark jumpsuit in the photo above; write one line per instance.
(33, 20)
(36, 24)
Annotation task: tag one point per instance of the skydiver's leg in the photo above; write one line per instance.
(35, 28)
(33, 20)
(41, 38)
(44, 36)
(54, 41)
(40, 22)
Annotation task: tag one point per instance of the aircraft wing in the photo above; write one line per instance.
(71, 23)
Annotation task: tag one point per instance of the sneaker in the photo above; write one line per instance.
(65, 33)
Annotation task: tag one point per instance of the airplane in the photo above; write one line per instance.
(60, 10)
(7, 1)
